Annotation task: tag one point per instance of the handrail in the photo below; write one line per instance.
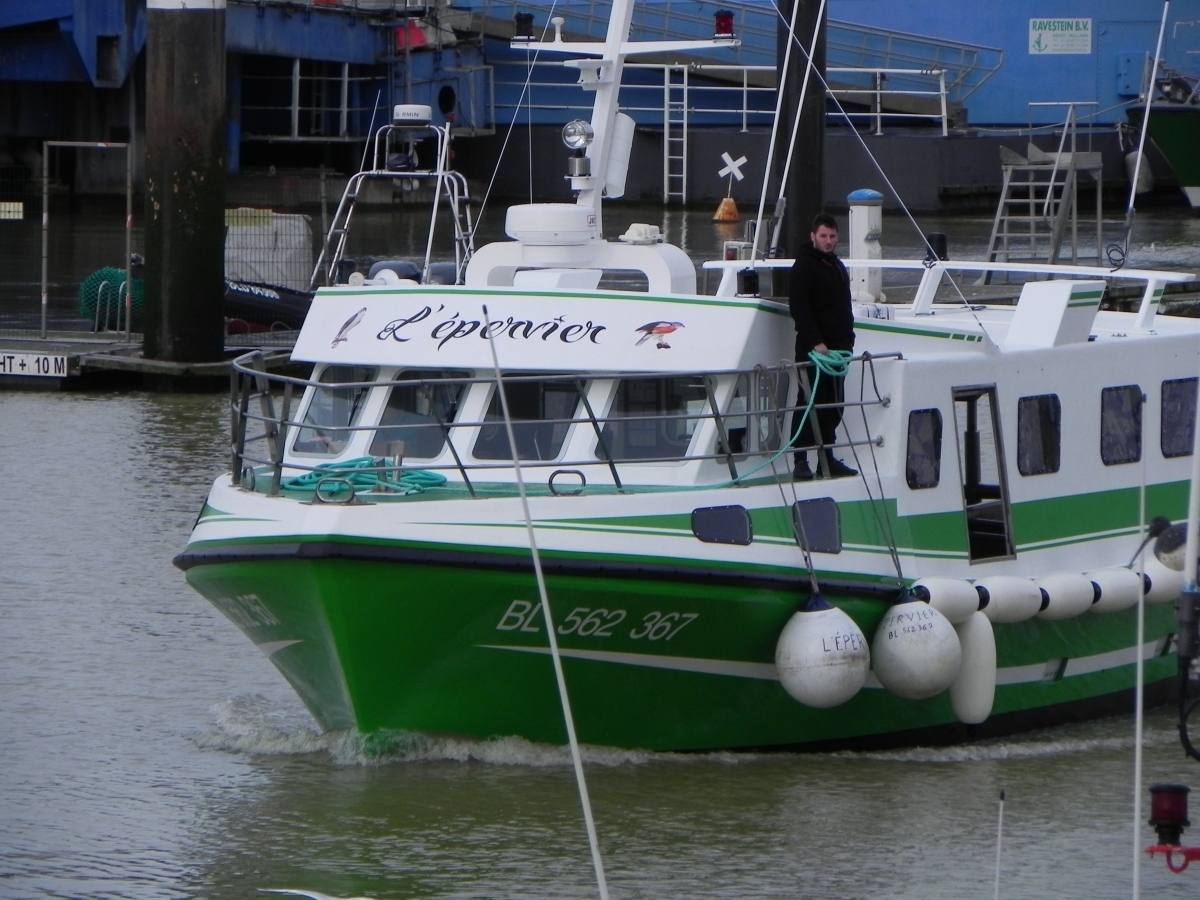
(249, 382)
(698, 94)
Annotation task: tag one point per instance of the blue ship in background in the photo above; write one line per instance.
(305, 79)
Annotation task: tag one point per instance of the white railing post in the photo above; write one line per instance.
(878, 102)
(666, 134)
(684, 146)
(745, 97)
(296, 97)
(942, 90)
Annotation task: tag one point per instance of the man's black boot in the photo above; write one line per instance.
(802, 472)
(838, 469)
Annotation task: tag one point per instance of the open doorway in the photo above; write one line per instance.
(981, 461)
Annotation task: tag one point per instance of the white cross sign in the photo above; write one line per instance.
(732, 167)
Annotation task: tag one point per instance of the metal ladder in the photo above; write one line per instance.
(1039, 200)
(675, 125)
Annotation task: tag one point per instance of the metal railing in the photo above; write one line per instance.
(318, 105)
(756, 435)
(848, 44)
(746, 97)
(392, 140)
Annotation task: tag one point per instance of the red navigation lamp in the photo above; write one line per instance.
(1168, 812)
(723, 25)
(524, 27)
(1169, 817)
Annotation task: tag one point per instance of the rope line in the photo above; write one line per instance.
(564, 697)
(512, 124)
(363, 472)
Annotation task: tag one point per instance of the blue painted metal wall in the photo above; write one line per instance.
(1122, 31)
(70, 40)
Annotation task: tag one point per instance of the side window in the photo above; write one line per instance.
(416, 414)
(333, 410)
(654, 418)
(1039, 434)
(923, 468)
(1121, 424)
(752, 418)
(542, 413)
(1178, 416)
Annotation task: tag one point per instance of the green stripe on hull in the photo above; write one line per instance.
(452, 650)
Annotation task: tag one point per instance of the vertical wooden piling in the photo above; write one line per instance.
(185, 179)
(805, 190)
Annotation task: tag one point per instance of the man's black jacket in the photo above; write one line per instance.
(820, 302)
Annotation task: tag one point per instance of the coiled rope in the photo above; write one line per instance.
(363, 472)
(834, 364)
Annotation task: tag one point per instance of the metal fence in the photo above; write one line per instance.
(66, 237)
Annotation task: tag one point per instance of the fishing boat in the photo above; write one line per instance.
(1174, 125)
(981, 574)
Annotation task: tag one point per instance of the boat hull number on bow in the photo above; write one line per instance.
(587, 622)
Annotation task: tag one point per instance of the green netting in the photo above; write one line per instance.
(105, 288)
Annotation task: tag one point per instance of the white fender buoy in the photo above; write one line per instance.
(974, 690)
(1165, 585)
(954, 598)
(1068, 594)
(915, 653)
(822, 656)
(1009, 598)
(1119, 588)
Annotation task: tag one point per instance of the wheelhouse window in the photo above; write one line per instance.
(1039, 434)
(923, 465)
(334, 410)
(1178, 416)
(753, 418)
(653, 418)
(542, 412)
(415, 419)
(1121, 424)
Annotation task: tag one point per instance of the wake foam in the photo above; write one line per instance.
(1092, 737)
(253, 725)
(250, 724)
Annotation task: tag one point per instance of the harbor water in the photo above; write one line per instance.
(148, 750)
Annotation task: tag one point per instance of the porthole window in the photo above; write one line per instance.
(1039, 434)
(1178, 416)
(923, 466)
(1121, 424)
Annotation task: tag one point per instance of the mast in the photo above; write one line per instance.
(603, 76)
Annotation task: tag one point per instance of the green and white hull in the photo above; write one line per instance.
(371, 541)
(434, 625)
(1175, 128)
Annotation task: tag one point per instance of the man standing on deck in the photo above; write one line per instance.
(822, 310)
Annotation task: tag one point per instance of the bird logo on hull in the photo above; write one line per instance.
(658, 331)
(344, 334)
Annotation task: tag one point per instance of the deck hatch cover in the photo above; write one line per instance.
(722, 525)
(818, 525)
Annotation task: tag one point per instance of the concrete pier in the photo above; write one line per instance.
(185, 179)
